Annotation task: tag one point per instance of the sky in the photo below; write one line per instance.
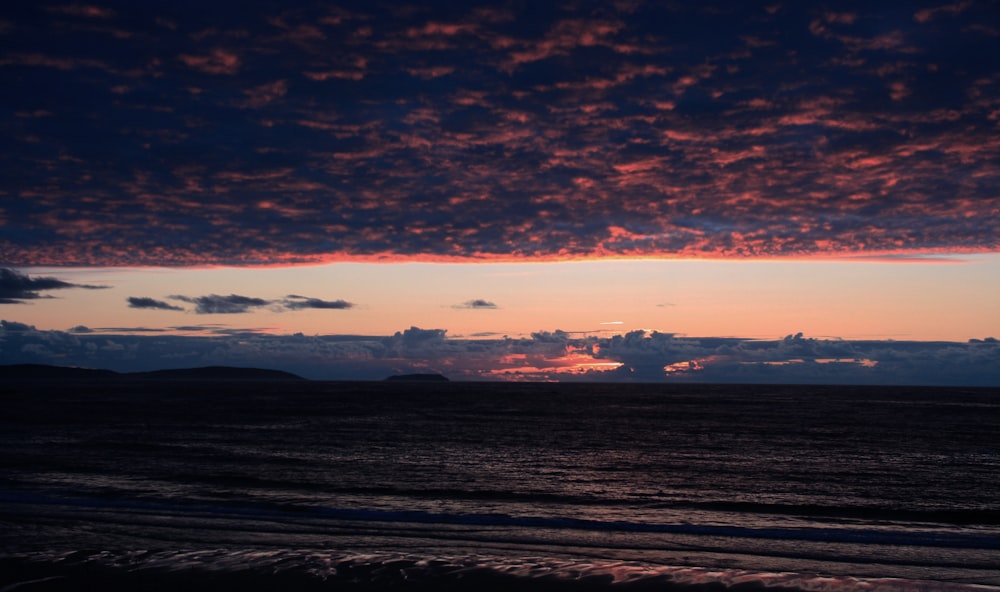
(623, 190)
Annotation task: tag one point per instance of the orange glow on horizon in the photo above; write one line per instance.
(573, 363)
(265, 260)
(756, 298)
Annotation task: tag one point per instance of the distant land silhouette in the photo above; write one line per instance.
(22, 372)
(417, 378)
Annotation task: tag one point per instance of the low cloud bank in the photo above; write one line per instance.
(637, 356)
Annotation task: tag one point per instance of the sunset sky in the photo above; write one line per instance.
(622, 190)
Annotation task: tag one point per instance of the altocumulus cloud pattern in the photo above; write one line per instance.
(237, 133)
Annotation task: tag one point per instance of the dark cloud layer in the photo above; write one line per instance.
(295, 302)
(216, 304)
(557, 355)
(238, 304)
(16, 287)
(250, 132)
(144, 302)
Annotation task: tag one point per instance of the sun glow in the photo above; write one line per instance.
(533, 368)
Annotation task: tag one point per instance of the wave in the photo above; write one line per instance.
(250, 570)
(874, 512)
(859, 512)
(911, 537)
(828, 535)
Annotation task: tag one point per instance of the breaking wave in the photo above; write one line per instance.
(253, 570)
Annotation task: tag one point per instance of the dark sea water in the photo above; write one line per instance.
(485, 486)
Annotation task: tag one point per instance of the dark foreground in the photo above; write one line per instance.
(399, 573)
(448, 486)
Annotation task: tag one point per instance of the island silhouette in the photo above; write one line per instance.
(44, 372)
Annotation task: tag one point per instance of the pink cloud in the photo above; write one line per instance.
(983, 29)
(928, 14)
(321, 76)
(829, 26)
(694, 76)
(625, 75)
(265, 94)
(754, 42)
(41, 60)
(433, 29)
(239, 176)
(562, 38)
(320, 125)
(218, 61)
(83, 10)
(430, 72)
(898, 90)
(299, 34)
(842, 18)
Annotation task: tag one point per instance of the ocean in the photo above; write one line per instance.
(299, 485)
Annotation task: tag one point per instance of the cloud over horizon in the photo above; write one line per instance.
(637, 356)
(253, 134)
